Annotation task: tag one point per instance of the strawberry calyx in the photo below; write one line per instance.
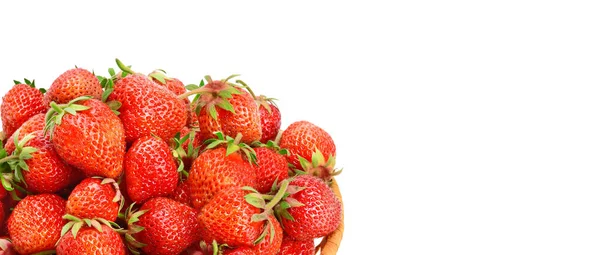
(17, 162)
(75, 223)
(159, 75)
(132, 216)
(57, 112)
(273, 146)
(213, 94)
(108, 83)
(259, 201)
(31, 83)
(232, 145)
(118, 198)
(319, 167)
(179, 152)
(286, 202)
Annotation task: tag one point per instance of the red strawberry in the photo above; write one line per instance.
(242, 250)
(95, 198)
(19, 104)
(174, 85)
(182, 193)
(91, 240)
(290, 246)
(35, 223)
(92, 139)
(315, 210)
(169, 227)
(301, 138)
(228, 217)
(272, 166)
(35, 123)
(146, 108)
(215, 170)
(272, 242)
(270, 118)
(227, 108)
(72, 84)
(150, 170)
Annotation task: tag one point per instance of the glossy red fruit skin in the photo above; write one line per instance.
(182, 194)
(35, 123)
(92, 141)
(289, 246)
(302, 137)
(321, 213)
(148, 109)
(36, 222)
(92, 199)
(19, 104)
(91, 241)
(228, 218)
(242, 250)
(213, 172)
(272, 167)
(150, 170)
(72, 84)
(270, 122)
(266, 247)
(177, 87)
(169, 226)
(47, 171)
(245, 120)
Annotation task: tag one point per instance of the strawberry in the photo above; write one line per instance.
(227, 108)
(242, 250)
(270, 118)
(271, 243)
(150, 170)
(311, 210)
(301, 138)
(35, 123)
(19, 104)
(290, 246)
(35, 223)
(220, 168)
(95, 198)
(88, 136)
(72, 84)
(272, 166)
(174, 85)
(182, 193)
(319, 167)
(186, 146)
(169, 227)
(97, 239)
(146, 108)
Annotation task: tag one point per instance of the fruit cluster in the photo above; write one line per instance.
(141, 164)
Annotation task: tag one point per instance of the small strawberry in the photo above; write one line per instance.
(167, 226)
(35, 223)
(95, 198)
(271, 166)
(270, 116)
(271, 243)
(290, 246)
(301, 138)
(35, 123)
(182, 193)
(88, 136)
(225, 107)
(19, 104)
(310, 209)
(97, 237)
(150, 170)
(72, 84)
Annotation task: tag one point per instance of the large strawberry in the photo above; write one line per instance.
(272, 166)
(220, 168)
(290, 246)
(301, 138)
(19, 104)
(228, 108)
(95, 198)
(169, 227)
(35, 223)
(35, 123)
(89, 136)
(174, 85)
(150, 170)
(72, 84)
(93, 239)
(311, 210)
(147, 108)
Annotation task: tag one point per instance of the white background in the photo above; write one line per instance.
(463, 127)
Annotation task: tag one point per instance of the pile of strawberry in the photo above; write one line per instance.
(141, 164)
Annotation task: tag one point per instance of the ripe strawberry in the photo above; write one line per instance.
(72, 84)
(218, 169)
(174, 85)
(169, 227)
(290, 246)
(227, 108)
(150, 170)
(315, 210)
(242, 250)
(301, 138)
(182, 193)
(39, 166)
(272, 242)
(91, 240)
(272, 166)
(19, 104)
(35, 123)
(146, 108)
(92, 139)
(35, 223)
(228, 217)
(270, 118)
(95, 198)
